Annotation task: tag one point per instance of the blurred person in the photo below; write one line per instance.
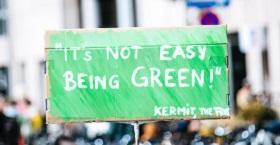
(244, 95)
(192, 129)
(257, 113)
(206, 131)
(178, 126)
(30, 119)
(9, 128)
(10, 109)
(150, 131)
(75, 130)
(167, 138)
(179, 132)
(54, 131)
(194, 126)
(94, 129)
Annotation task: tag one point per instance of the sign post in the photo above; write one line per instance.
(137, 74)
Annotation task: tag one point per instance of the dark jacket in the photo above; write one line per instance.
(9, 130)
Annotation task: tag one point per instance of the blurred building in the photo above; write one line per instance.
(22, 26)
(253, 27)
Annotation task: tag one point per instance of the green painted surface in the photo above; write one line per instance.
(186, 80)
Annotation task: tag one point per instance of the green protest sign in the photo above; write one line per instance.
(137, 74)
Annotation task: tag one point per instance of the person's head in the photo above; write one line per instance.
(245, 83)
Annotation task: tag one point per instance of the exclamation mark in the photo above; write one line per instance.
(211, 78)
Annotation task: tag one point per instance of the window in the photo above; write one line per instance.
(4, 81)
(3, 17)
(107, 11)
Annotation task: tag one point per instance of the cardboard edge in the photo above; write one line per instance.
(46, 78)
(228, 73)
(120, 29)
(222, 28)
(54, 120)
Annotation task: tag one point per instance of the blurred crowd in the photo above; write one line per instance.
(19, 121)
(254, 123)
